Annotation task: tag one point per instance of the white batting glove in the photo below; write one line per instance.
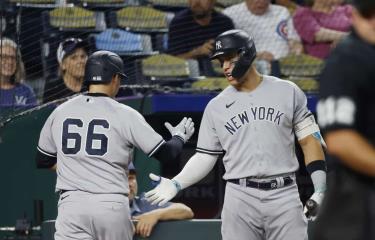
(312, 206)
(163, 192)
(184, 129)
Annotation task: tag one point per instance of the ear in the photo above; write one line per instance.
(63, 65)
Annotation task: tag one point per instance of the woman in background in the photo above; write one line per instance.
(71, 56)
(322, 25)
(13, 92)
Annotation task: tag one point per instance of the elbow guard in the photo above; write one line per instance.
(308, 127)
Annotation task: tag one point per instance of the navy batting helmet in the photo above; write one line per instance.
(236, 41)
(101, 66)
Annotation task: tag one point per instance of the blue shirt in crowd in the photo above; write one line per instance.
(20, 95)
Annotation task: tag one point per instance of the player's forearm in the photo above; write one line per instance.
(199, 165)
(353, 149)
(169, 150)
(312, 149)
(177, 211)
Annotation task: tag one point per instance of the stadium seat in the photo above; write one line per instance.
(300, 65)
(32, 1)
(165, 68)
(75, 18)
(169, 3)
(104, 5)
(303, 70)
(142, 19)
(211, 83)
(130, 46)
(139, 19)
(123, 42)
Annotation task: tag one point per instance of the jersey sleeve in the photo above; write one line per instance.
(142, 135)
(46, 149)
(208, 141)
(339, 87)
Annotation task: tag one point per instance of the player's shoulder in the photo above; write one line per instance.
(223, 96)
(68, 103)
(122, 108)
(279, 83)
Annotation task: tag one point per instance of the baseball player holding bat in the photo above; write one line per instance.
(91, 138)
(253, 122)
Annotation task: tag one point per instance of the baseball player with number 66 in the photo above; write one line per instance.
(91, 139)
(253, 122)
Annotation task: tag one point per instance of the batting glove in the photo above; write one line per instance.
(165, 190)
(183, 130)
(312, 205)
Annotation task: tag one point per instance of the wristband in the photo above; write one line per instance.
(316, 165)
(177, 185)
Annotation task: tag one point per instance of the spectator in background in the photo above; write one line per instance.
(192, 31)
(12, 73)
(322, 25)
(270, 25)
(148, 215)
(71, 56)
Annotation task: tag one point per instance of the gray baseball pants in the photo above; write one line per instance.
(253, 214)
(83, 215)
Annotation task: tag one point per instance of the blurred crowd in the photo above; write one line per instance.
(280, 28)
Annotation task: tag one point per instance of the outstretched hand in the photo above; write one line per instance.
(184, 130)
(165, 190)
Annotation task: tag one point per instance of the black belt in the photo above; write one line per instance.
(268, 185)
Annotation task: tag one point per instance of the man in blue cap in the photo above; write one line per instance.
(148, 215)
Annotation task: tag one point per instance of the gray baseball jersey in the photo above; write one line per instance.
(93, 138)
(255, 129)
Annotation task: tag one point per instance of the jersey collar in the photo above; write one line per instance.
(97, 94)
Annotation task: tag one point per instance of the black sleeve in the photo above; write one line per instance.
(169, 150)
(44, 159)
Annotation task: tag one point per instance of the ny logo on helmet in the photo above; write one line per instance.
(97, 78)
(218, 45)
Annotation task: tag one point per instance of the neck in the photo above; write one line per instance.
(251, 81)
(101, 88)
(73, 83)
(5, 82)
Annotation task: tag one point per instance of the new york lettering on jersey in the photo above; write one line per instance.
(261, 113)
